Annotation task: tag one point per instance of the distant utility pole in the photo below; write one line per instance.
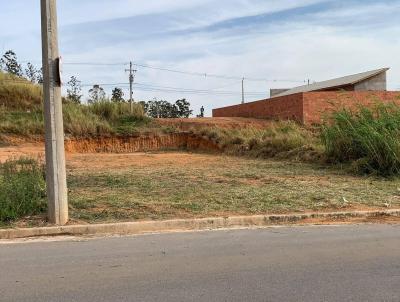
(243, 90)
(54, 130)
(131, 80)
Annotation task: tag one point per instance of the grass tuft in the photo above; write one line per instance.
(368, 139)
(22, 189)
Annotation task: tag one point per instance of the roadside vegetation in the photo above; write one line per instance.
(22, 189)
(367, 139)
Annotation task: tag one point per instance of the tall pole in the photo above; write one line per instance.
(54, 130)
(242, 90)
(131, 80)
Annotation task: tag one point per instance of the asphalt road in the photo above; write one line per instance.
(345, 263)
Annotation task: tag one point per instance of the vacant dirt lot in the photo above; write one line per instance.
(110, 187)
(162, 185)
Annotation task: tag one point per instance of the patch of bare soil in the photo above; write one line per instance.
(35, 150)
(115, 162)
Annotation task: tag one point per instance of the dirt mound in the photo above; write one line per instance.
(177, 141)
(185, 124)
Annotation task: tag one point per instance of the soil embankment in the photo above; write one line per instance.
(175, 141)
(34, 147)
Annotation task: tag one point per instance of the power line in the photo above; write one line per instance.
(191, 73)
(211, 75)
(151, 87)
(96, 64)
(198, 74)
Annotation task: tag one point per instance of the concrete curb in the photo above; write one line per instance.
(141, 227)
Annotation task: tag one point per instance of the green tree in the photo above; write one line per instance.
(117, 95)
(96, 94)
(163, 109)
(74, 90)
(9, 63)
(31, 73)
(183, 108)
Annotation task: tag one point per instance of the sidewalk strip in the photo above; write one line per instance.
(141, 227)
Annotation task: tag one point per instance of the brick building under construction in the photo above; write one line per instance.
(309, 104)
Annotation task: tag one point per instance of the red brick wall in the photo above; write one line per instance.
(285, 107)
(319, 105)
(309, 107)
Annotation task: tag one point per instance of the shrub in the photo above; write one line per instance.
(22, 189)
(369, 139)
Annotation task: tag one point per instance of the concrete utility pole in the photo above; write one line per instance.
(131, 80)
(242, 90)
(54, 130)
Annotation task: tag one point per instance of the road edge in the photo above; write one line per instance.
(142, 227)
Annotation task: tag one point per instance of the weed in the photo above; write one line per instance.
(22, 189)
(368, 139)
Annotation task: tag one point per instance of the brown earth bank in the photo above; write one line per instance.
(175, 141)
(14, 146)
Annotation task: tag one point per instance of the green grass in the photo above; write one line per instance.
(221, 186)
(79, 120)
(368, 139)
(18, 93)
(281, 139)
(21, 123)
(22, 189)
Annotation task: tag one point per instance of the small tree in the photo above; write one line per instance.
(96, 94)
(10, 64)
(183, 108)
(117, 95)
(74, 90)
(31, 73)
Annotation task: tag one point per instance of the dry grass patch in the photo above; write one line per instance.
(210, 185)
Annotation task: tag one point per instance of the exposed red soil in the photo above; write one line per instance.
(175, 141)
(34, 147)
(117, 162)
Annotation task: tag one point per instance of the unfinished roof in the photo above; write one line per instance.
(335, 83)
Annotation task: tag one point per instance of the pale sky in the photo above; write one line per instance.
(284, 42)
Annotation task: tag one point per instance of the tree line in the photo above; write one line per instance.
(154, 108)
